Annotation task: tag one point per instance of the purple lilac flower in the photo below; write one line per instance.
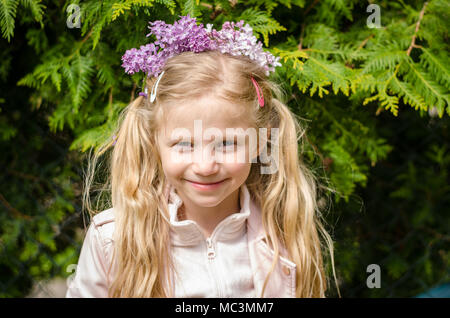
(185, 35)
(243, 42)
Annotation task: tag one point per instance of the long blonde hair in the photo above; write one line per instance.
(287, 198)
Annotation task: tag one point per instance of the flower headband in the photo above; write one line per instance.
(185, 35)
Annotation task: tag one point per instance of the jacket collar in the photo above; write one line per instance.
(254, 222)
(187, 232)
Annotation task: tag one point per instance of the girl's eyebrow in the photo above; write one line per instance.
(177, 139)
(171, 141)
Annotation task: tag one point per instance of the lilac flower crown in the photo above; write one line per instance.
(185, 35)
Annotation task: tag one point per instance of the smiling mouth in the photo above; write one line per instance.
(206, 184)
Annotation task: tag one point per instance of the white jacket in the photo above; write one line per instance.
(233, 262)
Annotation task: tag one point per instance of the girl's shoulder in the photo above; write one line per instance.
(92, 272)
(103, 217)
(104, 223)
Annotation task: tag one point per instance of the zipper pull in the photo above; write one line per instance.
(211, 253)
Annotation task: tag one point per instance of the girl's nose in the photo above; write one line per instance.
(205, 166)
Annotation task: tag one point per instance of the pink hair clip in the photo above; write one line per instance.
(259, 92)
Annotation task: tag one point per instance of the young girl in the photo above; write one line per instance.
(200, 207)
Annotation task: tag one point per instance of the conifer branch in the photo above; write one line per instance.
(365, 42)
(312, 5)
(206, 5)
(332, 118)
(423, 80)
(385, 87)
(80, 44)
(217, 10)
(300, 44)
(413, 41)
(15, 212)
(326, 161)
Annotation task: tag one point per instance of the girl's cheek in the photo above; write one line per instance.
(238, 168)
(180, 157)
(234, 158)
(174, 171)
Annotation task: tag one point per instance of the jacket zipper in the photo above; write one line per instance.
(211, 253)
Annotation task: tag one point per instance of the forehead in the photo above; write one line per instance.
(211, 112)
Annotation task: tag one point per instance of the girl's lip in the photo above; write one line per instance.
(201, 183)
(208, 186)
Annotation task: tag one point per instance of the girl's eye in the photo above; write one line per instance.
(183, 145)
(227, 145)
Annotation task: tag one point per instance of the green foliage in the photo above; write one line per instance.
(37, 200)
(261, 23)
(408, 235)
(352, 87)
(8, 9)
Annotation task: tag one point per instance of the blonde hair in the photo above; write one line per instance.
(287, 198)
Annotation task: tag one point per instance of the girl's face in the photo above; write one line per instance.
(204, 151)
